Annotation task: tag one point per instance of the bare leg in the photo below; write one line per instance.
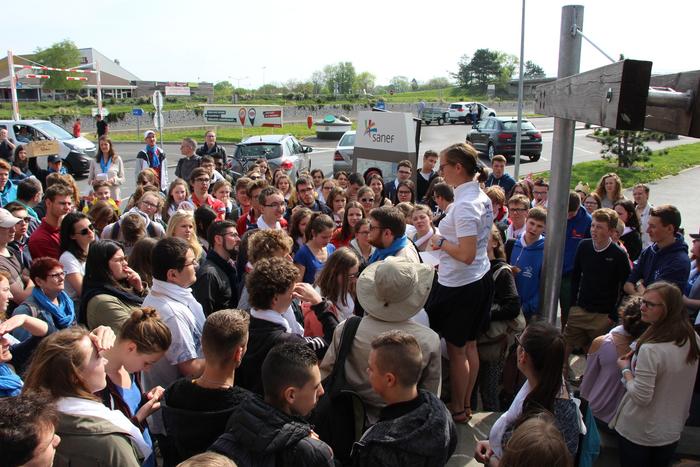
(459, 377)
(472, 371)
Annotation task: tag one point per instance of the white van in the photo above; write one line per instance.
(75, 152)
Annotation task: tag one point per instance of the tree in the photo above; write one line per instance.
(318, 82)
(346, 77)
(62, 54)
(479, 71)
(533, 70)
(364, 82)
(508, 63)
(626, 146)
(400, 83)
(223, 87)
(414, 85)
(437, 83)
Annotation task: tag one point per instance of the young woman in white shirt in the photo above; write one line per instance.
(422, 218)
(460, 299)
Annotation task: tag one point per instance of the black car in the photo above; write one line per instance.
(496, 135)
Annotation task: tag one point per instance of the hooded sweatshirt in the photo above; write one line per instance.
(577, 228)
(258, 434)
(414, 433)
(529, 260)
(669, 264)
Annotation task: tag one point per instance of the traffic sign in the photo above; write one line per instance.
(137, 112)
(95, 111)
(158, 121)
(158, 100)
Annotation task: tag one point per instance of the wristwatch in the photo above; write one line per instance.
(440, 242)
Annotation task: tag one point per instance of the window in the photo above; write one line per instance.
(512, 125)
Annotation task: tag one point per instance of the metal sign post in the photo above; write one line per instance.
(158, 117)
(99, 89)
(562, 157)
(521, 79)
(13, 85)
(138, 113)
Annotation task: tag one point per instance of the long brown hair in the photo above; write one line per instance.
(346, 231)
(600, 189)
(56, 365)
(544, 345)
(339, 263)
(674, 325)
(112, 155)
(145, 329)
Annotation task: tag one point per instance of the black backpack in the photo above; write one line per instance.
(339, 416)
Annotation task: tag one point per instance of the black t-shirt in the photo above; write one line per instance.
(101, 128)
(6, 151)
(187, 395)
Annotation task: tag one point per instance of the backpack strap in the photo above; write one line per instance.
(114, 234)
(150, 228)
(346, 340)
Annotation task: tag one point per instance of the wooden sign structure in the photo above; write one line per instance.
(625, 96)
(42, 148)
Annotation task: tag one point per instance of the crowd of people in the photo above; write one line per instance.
(293, 319)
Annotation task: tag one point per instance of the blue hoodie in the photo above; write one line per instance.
(529, 260)
(9, 193)
(669, 264)
(577, 228)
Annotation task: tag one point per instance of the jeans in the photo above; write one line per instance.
(636, 455)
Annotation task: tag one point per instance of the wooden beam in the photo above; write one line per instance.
(677, 121)
(613, 96)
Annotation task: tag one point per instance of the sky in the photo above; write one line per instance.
(264, 41)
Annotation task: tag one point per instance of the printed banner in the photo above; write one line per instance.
(241, 115)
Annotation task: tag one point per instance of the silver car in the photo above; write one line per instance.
(342, 159)
(283, 151)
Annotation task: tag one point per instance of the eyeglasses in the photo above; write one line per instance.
(149, 204)
(539, 192)
(367, 200)
(354, 275)
(194, 263)
(57, 275)
(275, 205)
(201, 180)
(89, 228)
(26, 220)
(649, 304)
(305, 190)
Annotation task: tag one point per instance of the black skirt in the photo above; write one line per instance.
(460, 314)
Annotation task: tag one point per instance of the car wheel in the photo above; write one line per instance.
(492, 114)
(534, 157)
(427, 122)
(440, 121)
(491, 152)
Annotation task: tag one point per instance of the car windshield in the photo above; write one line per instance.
(266, 150)
(53, 131)
(512, 125)
(347, 140)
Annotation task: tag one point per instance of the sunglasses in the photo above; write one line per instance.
(89, 228)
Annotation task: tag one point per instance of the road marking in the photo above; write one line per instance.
(584, 150)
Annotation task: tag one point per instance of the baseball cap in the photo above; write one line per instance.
(54, 158)
(695, 236)
(7, 220)
(149, 132)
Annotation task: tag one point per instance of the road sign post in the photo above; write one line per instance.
(158, 117)
(138, 113)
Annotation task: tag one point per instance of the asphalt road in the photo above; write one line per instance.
(433, 137)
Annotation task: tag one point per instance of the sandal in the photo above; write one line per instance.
(461, 417)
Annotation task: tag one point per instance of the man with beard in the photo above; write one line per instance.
(217, 281)
(387, 232)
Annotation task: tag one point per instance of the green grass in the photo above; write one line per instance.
(659, 165)
(70, 109)
(223, 134)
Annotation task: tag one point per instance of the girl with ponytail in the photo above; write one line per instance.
(142, 341)
(540, 355)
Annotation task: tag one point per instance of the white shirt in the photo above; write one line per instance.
(71, 265)
(263, 226)
(471, 215)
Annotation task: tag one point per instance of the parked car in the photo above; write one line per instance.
(75, 152)
(434, 114)
(283, 151)
(460, 112)
(342, 158)
(496, 135)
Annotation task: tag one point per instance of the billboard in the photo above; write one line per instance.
(177, 91)
(244, 116)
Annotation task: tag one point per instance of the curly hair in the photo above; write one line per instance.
(270, 277)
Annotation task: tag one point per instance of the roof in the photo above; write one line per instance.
(275, 139)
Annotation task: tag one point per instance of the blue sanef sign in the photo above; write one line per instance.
(137, 112)
(380, 105)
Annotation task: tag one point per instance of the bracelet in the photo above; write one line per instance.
(440, 242)
(624, 370)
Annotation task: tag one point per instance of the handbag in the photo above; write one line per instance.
(339, 416)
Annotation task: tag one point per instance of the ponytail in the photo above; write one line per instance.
(145, 329)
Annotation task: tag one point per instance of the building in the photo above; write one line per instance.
(116, 81)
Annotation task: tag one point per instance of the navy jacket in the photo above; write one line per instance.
(669, 264)
(577, 228)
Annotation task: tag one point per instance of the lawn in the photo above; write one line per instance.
(658, 166)
(223, 134)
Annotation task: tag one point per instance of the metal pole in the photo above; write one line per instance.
(99, 88)
(519, 125)
(562, 157)
(13, 85)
